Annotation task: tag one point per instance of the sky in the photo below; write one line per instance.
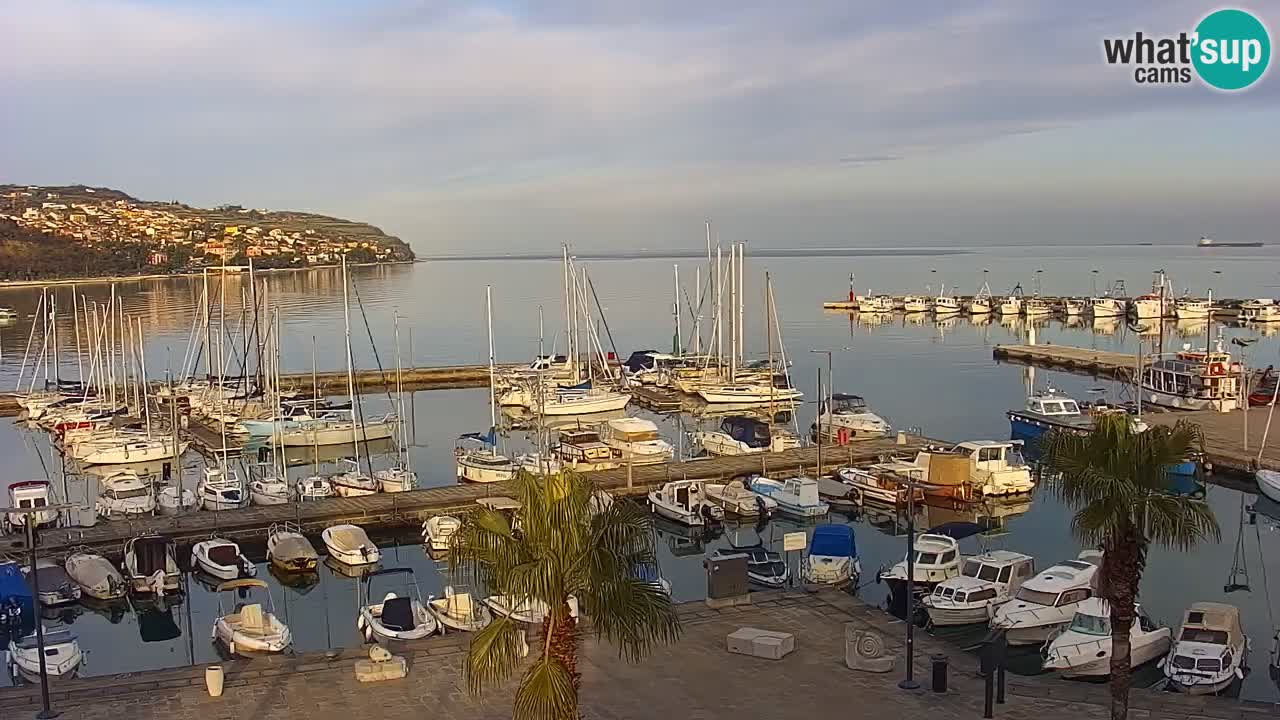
(614, 124)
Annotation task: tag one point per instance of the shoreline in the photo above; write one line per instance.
(102, 279)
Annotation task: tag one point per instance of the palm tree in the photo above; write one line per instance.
(1116, 480)
(562, 543)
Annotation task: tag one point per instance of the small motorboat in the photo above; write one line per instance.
(95, 575)
(876, 486)
(985, 582)
(62, 656)
(1083, 649)
(249, 628)
(124, 494)
(315, 487)
(686, 502)
(1048, 601)
(270, 490)
(56, 586)
(524, 610)
(221, 489)
(289, 550)
(457, 611)
(1210, 651)
(795, 496)
(764, 567)
(30, 495)
(17, 605)
(150, 565)
(222, 559)
(848, 418)
(832, 558)
(174, 500)
(737, 500)
(937, 558)
(396, 617)
(438, 530)
(636, 441)
(1268, 484)
(350, 545)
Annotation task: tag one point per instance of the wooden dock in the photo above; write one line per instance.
(1224, 446)
(657, 399)
(409, 509)
(1082, 361)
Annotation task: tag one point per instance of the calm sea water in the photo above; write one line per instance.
(937, 377)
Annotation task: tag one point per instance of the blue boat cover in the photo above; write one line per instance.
(957, 530)
(13, 586)
(833, 541)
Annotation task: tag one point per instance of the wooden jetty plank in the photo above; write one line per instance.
(1223, 433)
(1084, 361)
(391, 510)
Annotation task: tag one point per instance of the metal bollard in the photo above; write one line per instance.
(988, 696)
(1000, 684)
(939, 673)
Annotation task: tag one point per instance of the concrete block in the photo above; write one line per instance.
(773, 645)
(741, 641)
(375, 671)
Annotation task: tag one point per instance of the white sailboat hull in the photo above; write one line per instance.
(585, 405)
(747, 394)
(338, 434)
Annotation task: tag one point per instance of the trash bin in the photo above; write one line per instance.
(939, 673)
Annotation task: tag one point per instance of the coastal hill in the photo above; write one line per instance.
(81, 231)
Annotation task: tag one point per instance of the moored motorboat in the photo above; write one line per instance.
(743, 435)
(150, 565)
(795, 496)
(438, 531)
(56, 586)
(62, 656)
(1262, 310)
(314, 487)
(395, 479)
(30, 496)
(269, 490)
(686, 502)
(354, 482)
(832, 556)
(985, 582)
(175, 500)
(1209, 652)
(220, 488)
(1193, 380)
(350, 545)
(222, 559)
(95, 575)
(764, 567)
(289, 550)
(1083, 648)
(250, 628)
(1048, 601)
(524, 609)
(937, 558)
(847, 417)
(458, 611)
(636, 441)
(124, 494)
(396, 616)
(737, 500)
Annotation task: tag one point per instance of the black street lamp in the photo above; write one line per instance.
(29, 521)
(909, 682)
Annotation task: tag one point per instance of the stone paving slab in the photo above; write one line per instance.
(694, 679)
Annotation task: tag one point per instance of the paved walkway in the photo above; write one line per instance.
(691, 680)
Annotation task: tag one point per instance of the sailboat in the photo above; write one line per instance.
(771, 385)
(477, 455)
(401, 477)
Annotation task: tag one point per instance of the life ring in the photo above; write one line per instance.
(842, 436)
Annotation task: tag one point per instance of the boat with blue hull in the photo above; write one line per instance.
(17, 606)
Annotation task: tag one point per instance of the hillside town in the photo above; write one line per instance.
(178, 237)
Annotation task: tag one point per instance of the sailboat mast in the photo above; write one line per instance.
(351, 377)
(208, 326)
(75, 323)
(568, 307)
(142, 363)
(742, 302)
(719, 289)
(733, 313)
(488, 319)
(53, 325)
(675, 310)
(697, 315)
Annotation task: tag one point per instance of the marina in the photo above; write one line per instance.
(928, 377)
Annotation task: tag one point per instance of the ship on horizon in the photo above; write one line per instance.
(1206, 241)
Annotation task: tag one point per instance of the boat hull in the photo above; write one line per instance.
(951, 616)
(308, 437)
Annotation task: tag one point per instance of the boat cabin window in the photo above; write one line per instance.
(1052, 408)
(1182, 662)
(1037, 597)
(981, 595)
(1072, 596)
(926, 558)
(990, 453)
(948, 556)
(1026, 569)
(1005, 572)
(1226, 659)
(128, 494)
(1202, 635)
(1091, 624)
(1209, 665)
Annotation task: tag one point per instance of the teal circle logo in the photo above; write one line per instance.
(1232, 49)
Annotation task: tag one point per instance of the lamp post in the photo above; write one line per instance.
(46, 713)
(909, 682)
(830, 394)
(1243, 344)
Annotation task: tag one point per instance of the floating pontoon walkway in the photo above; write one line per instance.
(1084, 361)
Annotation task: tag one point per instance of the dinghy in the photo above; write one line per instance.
(350, 545)
(62, 656)
(221, 559)
(56, 586)
(150, 565)
(1083, 649)
(289, 550)
(95, 575)
(524, 609)
(457, 611)
(396, 617)
(438, 530)
(249, 628)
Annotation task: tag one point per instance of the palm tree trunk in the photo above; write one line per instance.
(1122, 568)
(563, 646)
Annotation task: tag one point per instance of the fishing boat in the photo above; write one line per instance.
(985, 582)
(743, 435)
(96, 576)
(1083, 648)
(685, 502)
(30, 496)
(62, 656)
(980, 304)
(395, 617)
(736, 499)
(915, 304)
(1261, 310)
(636, 441)
(125, 495)
(846, 417)
(289, 550)
(350, 545)
(314, 487)
(1011, 305)
(56, 586)
(1193, 380)
(832, 557)
(875, 304)
(1072, 307)
(438, 531)
(457, 611)
(1158, 303)
(764, 567)
(1036, 306)
(220, 488)
(150, 565)
(250, 628)
(946, 304)
(1048, 601)
(175, 500)
(795, 496)
(1111, 304)
(1210, 651)
(1188, 308)
(876, 486)
(222, 559)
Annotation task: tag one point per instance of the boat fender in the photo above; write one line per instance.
(760, 506)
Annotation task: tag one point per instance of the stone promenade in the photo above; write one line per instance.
(692, 680)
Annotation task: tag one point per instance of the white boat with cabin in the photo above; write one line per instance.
(985, 582)
(1210, 651)
(915, 304)
(795, 496)
(1048, 601)
(737, 500)
(30, 495)
(175, 500)
(220, 488)
(125, 495)
(314, 487)
(937, 558)
(1261, 310)
(875, 304)
(1189, 308)
(62, 656)
(151, 566)
(636, 441)
(980, 304)
(850, 413)
(1083, 649)
(685, 502)
(742, 435)
(1193, 380)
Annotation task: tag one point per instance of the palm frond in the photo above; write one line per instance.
(632, 614)
(493, 654)
(546, 692)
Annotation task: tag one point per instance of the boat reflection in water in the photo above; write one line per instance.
(155, 618)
